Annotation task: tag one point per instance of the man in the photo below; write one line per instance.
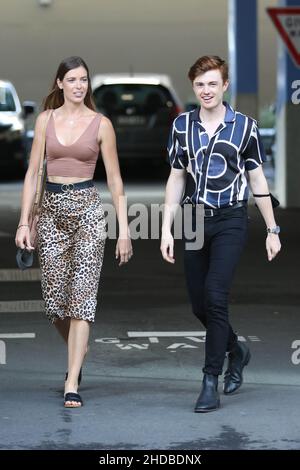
(212, 151)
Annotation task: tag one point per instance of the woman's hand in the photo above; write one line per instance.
(22, 239)
(273, 245)
(124, 250)
(167, 247)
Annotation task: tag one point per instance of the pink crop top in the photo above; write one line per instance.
(78, 159)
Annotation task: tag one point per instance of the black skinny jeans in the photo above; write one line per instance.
(209, 273)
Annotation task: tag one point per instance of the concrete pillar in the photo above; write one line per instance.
(242, 42)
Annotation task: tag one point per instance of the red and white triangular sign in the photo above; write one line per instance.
(287, 22)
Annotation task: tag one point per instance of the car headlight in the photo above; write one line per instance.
(17, 125)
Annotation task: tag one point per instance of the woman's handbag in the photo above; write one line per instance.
(24, 258)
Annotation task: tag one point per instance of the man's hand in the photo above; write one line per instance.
(273, 245)
(167, 248)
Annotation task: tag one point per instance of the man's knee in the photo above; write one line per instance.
(215, 301)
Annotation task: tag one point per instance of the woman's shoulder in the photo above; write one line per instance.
(99, 115)
(105, 121)
(42, 117)
(105, 128)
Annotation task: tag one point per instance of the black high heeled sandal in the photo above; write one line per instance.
(73, 397)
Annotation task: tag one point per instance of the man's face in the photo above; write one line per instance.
(209, 88)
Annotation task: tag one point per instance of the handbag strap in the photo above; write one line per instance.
(41, 162)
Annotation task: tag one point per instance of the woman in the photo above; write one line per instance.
(71, 227)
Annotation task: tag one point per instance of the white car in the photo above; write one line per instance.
(141, 108)
(12, 128)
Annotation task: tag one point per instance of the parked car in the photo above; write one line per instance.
(268, 136)
(13, 147)
(141, 108)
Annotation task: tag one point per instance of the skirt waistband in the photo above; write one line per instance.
(63, 188)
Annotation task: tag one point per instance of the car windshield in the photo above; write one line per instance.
(132, 99)
(7, 102)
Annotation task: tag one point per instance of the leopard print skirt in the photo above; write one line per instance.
(71, 238)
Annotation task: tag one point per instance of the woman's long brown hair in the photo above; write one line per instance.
(55, 98)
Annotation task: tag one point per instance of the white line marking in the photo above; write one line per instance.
(2, 352)
(196, 339)
(153, 339)
(18, 275)
(22, 306)
(191, 335)
(163, 334)
(131, 345)
(17, 335)
(182, 346)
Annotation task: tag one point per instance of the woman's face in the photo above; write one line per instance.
(74, 85)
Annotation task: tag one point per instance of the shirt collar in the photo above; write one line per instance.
(229, 114)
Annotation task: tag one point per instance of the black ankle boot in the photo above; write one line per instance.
(209, 397)
(238, 358)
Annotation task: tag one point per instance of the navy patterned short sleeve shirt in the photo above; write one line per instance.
(216, 168)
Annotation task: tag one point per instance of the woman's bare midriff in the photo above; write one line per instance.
(66, 179)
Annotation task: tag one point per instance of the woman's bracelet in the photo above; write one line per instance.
(22, 225)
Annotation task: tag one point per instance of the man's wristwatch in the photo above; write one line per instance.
(274, 229)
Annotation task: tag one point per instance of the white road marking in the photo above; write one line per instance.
(17, 335)
(152, 339)
(15, 275)
(253, 338)
(2, 352)
(174, 334)
(131, 346)
(11, 336)
(182, 346)
(163, 334)
(195, 336)
(196, 339)
(22, 306)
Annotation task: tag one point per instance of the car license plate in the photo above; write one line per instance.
(131, 120)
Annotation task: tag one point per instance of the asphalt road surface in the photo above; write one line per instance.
(142, 374)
